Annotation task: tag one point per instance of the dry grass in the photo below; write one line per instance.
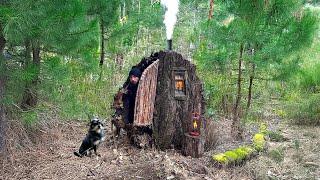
(211, 134)
(46, 152)
(301, 152)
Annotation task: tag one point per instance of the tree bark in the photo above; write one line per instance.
(102, 54)
(172, 116)
(194, 146)
(211, 9)
(236, 129)
(2, 91)
(250, 87)
(30, 98)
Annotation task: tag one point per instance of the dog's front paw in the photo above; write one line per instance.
(77, 154)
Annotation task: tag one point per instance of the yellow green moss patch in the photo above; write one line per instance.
(220, 158)
(259, 141)
(238, 155)
(232, 156)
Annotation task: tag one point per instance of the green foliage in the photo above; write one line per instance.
(275, 136)
(69, 32)
(273, 34)
(305, 111)
(78, 91)
(29, 118)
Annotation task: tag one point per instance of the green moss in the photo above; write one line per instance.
(242, 154)
(239, 154)
(232, 156)
(221, 158)
(259, 141)
(248, 149)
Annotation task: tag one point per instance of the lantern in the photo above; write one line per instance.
(196, 124)
(179, 83)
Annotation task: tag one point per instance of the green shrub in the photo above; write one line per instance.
(306, 111)
(275, 136)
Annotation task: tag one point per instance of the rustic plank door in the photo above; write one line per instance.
(146, 93)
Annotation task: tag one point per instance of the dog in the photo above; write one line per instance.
(117, 118)
(95, 136)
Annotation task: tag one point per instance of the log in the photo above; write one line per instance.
(193, 146)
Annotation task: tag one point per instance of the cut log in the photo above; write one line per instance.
(193, 146)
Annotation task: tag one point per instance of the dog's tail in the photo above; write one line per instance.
(77, 154)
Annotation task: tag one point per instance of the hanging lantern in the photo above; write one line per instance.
(196, 124)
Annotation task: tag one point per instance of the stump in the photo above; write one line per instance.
(193, 145)
(179, 94)
(168, 95)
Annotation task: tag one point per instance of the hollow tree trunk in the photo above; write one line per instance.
(2, 89)
(172, 116)
(236, 129)
(30, 94)
(250, 86)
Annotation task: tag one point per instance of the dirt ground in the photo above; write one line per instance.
(51, 157)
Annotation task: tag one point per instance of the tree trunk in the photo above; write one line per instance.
(172, 116)
(2, 89)
(211, 9)
(30, 94)
(194, 146)
(236, 129)
(27, 54)
(102, 54)
(250, 86)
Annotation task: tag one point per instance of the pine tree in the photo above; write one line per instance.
(257, 34)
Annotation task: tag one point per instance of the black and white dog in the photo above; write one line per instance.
(95, 136)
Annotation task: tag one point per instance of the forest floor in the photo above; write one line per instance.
(51, 157)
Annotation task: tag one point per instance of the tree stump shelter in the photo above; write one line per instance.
(179, 95)
(168, 95)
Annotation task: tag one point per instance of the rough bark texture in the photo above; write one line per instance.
(173, 115)
(194, 146)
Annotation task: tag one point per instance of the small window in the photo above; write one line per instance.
(179, 83)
